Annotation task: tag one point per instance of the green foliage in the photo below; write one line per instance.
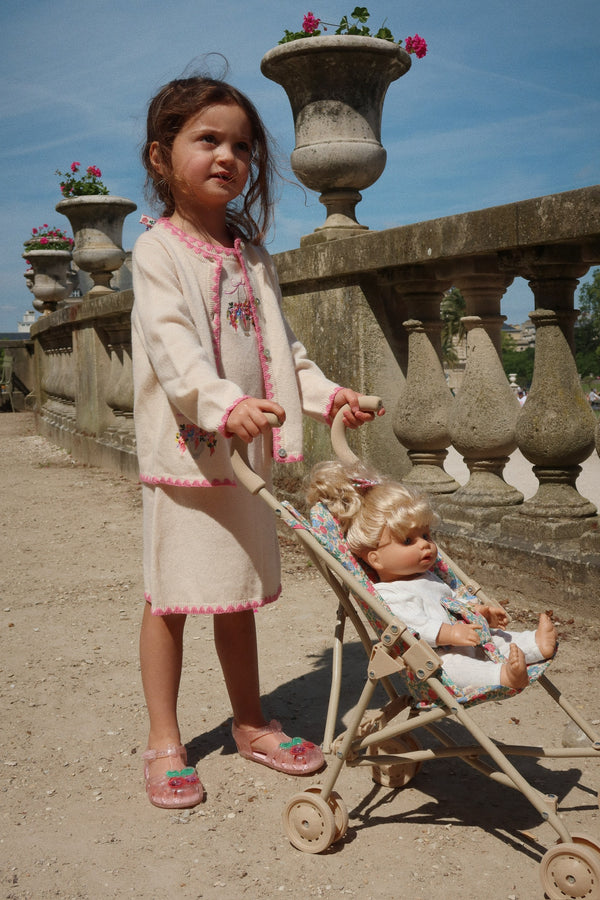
(588, 302)
(354, 24)
(452, 309)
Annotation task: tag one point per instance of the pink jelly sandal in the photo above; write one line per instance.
(176, 788)
(294, 756)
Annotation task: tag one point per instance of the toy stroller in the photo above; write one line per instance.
(412, 676)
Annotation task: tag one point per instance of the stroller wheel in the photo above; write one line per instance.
(309, 822)
(571, 871)
(338, 808)
(397, 775)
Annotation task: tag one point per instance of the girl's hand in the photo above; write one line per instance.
(354, 417)
(247, 420)
(496, 616)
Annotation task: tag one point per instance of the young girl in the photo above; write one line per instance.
(388, 526)
(212, 354)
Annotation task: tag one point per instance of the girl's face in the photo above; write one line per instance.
(394, 560)
(210, 157)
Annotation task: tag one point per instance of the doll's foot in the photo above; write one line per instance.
(270, 747)
(545, 636)
(514, 671)
(170, 782)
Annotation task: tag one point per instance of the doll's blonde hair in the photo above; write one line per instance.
(364, 504)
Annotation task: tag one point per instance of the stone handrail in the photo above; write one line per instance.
(368, 309)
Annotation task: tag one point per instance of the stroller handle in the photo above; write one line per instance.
(338, 429)
(244, 472)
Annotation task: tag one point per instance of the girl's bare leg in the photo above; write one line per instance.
(161, 656)
(235, 641)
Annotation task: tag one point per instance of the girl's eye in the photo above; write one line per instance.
(407, 541)
(208, 138)
(244, 147)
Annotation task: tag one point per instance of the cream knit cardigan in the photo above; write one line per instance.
(182, 398)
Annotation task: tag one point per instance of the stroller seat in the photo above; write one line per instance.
(327, 531)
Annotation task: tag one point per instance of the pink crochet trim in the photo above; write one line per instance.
(222, 427)
(187, 482)
(328, 417)
(202, 248)
(290, 458)
(212, 610)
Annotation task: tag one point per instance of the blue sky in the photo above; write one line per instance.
(505, 106)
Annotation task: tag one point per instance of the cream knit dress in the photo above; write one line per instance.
(209, 545)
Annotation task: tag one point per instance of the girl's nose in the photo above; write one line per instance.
(224, 151)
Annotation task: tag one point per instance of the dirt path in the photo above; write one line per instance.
(75, 822)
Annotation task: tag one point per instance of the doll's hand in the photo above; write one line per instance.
(496, 616)
(247, 420)
(353, 417)
(459, 635)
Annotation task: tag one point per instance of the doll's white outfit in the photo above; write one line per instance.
(419, 603)
(208, 331)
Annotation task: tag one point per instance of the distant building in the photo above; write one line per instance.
(523, 335)
(27, 321)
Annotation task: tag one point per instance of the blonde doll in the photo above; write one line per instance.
(389, 527)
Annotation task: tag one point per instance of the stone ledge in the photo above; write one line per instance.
(553, 219)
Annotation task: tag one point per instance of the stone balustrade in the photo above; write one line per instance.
(368, 309)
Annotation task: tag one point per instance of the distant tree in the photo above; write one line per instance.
(519, 362)
(587, 328)
(452, 309)
(588, 301)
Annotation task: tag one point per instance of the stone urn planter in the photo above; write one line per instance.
(336, 87)
(97, 223)
(49, 277)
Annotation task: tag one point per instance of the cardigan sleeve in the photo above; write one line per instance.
(164, 322)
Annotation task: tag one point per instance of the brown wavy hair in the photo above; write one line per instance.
(249, 215)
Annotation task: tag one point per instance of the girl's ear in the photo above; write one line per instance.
(155, 157)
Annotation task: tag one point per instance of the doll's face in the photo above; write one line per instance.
(395, 560)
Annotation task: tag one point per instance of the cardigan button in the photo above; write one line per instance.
(268, 354)
(282, 453)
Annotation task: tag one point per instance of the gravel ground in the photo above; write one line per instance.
(75, 819)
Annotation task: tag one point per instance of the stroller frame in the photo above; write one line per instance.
(317, 817)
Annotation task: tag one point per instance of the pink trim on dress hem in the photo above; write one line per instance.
(212, 610)
(187, 482)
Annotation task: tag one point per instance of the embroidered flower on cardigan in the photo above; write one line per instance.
(191, 438)
(239, 313)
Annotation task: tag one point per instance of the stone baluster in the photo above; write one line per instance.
(68, 386)
(124, 395)
(555, 432)
(422, 413)
(483, 285)
(50, 384)
(482, 427)
(420, 421)
(119, 392)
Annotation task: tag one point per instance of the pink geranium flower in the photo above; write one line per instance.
(416, 45)
(310, 23)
